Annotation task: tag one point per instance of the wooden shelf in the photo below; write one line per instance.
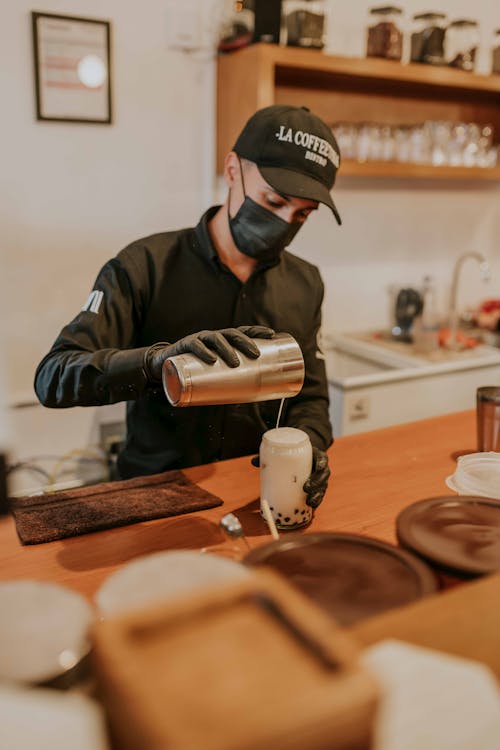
(368, 68)
(419, 171)
(353, 90)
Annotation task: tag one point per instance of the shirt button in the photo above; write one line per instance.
(243, 295)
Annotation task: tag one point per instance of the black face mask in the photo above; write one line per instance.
(259, 233)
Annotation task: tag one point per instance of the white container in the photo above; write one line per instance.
(285, 464)
(477, 474)
(162, 576)
(44, 633)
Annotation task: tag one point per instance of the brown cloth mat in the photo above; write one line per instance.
(58, 515)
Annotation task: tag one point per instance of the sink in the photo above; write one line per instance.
(357, 354)
(376, 382)
(349, 365)
(383, 341)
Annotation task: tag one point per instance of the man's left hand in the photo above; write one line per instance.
(315, 486)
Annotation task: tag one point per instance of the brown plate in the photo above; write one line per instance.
(460, 534)
(350, 576)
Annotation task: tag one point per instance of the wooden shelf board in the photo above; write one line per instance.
(353, 90)
(422, 171)
(388, 70)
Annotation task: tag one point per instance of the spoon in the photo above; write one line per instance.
(232, 527)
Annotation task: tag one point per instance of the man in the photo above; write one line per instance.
(210, 290)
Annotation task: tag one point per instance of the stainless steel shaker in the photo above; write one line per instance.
(277, 373)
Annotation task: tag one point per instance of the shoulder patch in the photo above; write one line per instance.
(93, 302)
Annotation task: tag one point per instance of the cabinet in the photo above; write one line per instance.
(372, 386)
(354, 90)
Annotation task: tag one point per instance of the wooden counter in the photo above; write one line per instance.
(375, 475)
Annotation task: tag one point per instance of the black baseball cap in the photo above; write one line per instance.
(295, 152)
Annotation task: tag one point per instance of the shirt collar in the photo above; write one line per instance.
(208, 247)
(203, 235)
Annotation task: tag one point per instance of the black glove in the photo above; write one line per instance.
(204, 344)
(315, 486)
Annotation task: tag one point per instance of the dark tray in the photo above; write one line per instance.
(457, 534)
(350, 576)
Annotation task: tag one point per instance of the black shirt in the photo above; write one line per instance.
(165, 287)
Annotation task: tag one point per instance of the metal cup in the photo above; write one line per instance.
(488, 418)
(277, 373)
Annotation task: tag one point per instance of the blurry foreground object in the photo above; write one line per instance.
(433, 700)
(158, 577)
(247, 665)
(47, 720)
(464, 621)
(350, 576)
(43, 633)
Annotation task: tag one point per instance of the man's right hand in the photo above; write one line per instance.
(206, 345)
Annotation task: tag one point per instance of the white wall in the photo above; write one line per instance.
(397, 231)
(72, 195)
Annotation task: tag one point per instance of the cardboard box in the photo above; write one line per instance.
(246, 666)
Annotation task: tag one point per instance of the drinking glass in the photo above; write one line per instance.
(484, 146)
(472, 145)
(457, 143)
(420, 144)
(439, 133)
(488, 418)
(402, 143)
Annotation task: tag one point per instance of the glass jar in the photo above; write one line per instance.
(304, 23)
(236, 25)
(461, 43)
(495, 52)
(385, 38)
(427, 39)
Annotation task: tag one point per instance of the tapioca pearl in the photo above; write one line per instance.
(296, 510)
(287, 519)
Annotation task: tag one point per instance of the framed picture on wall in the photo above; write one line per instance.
(72, 59)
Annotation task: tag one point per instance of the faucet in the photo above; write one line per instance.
(484, 270)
